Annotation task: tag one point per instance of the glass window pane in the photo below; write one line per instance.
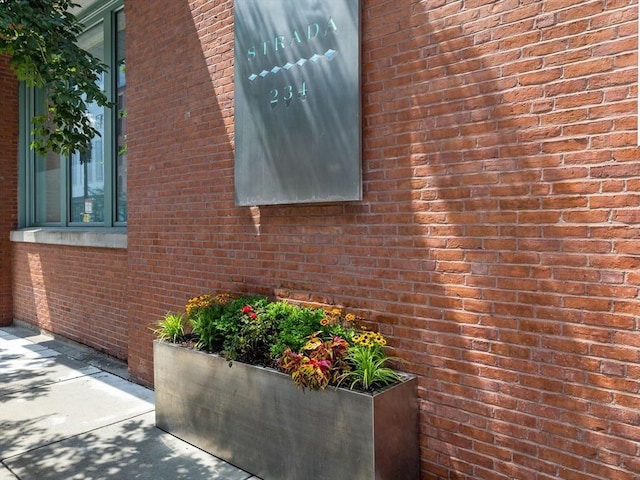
(47, 186)
(121, 124)
(87, 168)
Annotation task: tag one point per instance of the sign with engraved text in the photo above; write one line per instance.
(297, 101)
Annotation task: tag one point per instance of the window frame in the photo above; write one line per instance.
(29, 97)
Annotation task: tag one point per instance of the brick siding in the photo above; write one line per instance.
(8, 182)
(496, 244)
(76, 292)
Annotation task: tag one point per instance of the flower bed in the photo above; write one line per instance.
(316, 347)
(257, 418)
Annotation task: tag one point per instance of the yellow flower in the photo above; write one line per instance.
(201, 301)
(370, 339)
(350, 317)
(223, 298)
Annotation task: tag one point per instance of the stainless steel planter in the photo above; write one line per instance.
(258, 420)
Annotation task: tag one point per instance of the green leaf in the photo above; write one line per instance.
(41, 39)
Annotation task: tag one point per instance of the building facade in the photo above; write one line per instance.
(496, 244)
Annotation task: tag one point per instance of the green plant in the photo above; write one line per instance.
(171, 328)
(295, 325)
(336, 324)
(316, 347)
(368, 370)
(204, 327)
(320, 363)
(221, 324)
(252, 333)
(41, 41)
(203, 312)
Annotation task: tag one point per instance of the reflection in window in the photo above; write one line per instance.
(87, 168)
(47, 186)
(121, 123)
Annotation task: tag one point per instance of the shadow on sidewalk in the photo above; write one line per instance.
(61, 418)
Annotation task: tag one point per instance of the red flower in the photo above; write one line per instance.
(248, 310)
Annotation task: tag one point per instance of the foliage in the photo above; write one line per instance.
(41, 39)
(252, 334)
(336, 323)
(368, 370)
(229, 326)
(295, 324)
(319, 363)
(367, 361)
(171, 328)
(203, 313)
(317, 348)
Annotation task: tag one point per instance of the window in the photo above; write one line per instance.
(88, 189)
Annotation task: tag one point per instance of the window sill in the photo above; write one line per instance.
(80, 237)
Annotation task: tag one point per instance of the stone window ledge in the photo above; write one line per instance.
(80, 237)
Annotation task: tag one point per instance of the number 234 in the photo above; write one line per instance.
(287, 93)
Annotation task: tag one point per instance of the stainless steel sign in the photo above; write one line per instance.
(297, 101)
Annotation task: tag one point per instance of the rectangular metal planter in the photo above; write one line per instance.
(257, 419)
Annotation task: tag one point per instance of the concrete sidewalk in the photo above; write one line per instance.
(67, 412)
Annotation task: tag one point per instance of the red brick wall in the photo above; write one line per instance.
(497, 241)
(8, 181)
(75, 292)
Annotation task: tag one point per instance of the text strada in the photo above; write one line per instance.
(280, 42)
